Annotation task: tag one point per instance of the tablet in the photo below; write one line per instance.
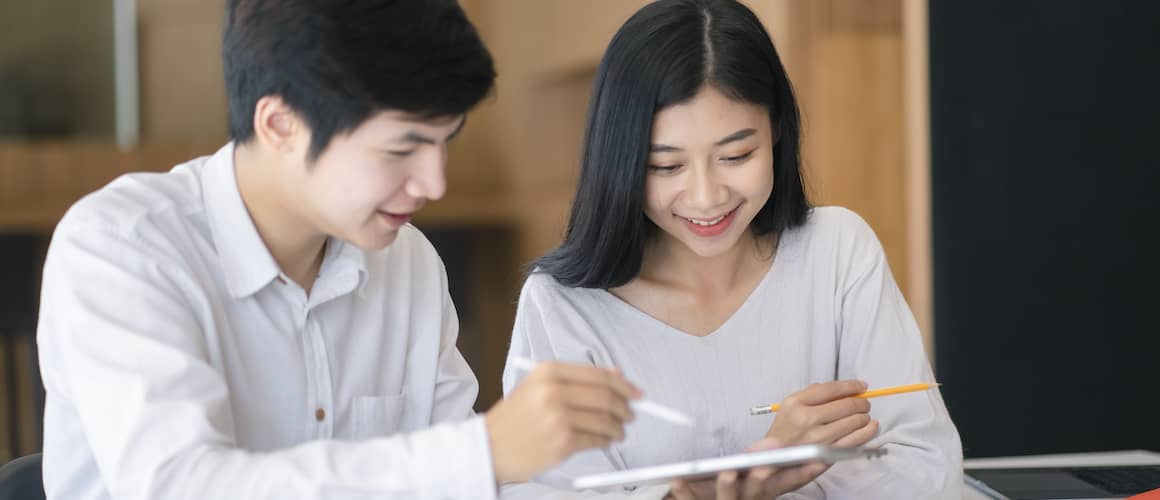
(1065, 482)
(698, 469)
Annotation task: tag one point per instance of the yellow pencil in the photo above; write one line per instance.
(767, 409)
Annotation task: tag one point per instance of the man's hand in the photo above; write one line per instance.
(557, 410)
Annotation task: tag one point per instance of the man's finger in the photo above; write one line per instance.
(586, 440)
(589, 375)
(598, 423)
(597, 399)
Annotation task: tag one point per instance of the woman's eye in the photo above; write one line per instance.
(663, 168)
(738, 158)
(401, 154)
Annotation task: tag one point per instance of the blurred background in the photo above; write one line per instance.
(1002, 151)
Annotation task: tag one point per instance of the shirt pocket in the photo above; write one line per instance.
(378, 416)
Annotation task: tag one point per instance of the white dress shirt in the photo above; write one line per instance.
(180, 363)
(827, 309)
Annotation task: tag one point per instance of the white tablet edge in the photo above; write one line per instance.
(793, 455)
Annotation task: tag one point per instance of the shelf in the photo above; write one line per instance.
(39, 180)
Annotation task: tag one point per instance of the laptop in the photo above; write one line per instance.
(1070, 483)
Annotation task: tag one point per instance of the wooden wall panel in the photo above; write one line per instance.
(56, 76)
(182, 88)
(515, 165)
(854, 150)
(40, 180)
(848, 61)
(916, 106)
(859, 70)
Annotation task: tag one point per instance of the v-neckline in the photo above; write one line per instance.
(755, 292)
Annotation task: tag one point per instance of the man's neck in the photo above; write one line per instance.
(297, 247)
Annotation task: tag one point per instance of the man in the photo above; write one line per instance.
(263, 322)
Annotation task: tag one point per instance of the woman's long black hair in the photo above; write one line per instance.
(662, 56)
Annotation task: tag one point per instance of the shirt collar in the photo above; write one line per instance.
(344, 269)
(247, 263)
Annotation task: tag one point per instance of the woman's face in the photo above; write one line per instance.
(710, 171)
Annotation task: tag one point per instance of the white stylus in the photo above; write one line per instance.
(643, 406)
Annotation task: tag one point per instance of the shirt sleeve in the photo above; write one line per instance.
(879, 342)
(456, 387)
(532, 339)
(120, 343)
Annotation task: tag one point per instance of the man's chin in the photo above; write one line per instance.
(376, 242)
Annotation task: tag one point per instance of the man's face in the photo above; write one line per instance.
(369, 182)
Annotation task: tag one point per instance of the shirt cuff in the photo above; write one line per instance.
(454, 460)
(480, 481)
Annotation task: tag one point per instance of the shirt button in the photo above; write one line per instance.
(320, 414)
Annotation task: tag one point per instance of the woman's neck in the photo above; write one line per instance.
(670, 263)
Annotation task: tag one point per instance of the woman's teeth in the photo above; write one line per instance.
(706, 223)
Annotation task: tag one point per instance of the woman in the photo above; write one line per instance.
(694, 263)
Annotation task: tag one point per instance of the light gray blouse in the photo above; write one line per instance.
(827, 309)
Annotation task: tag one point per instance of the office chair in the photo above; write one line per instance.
(20, 479)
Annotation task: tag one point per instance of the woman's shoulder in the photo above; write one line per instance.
(832, 226)
(836, 219)
(544, 289)
(551, 309)
(831, 236)
(539, 283)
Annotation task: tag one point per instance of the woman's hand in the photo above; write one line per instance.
(825, 413)
(761, 483)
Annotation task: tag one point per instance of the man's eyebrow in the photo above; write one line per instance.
(454, 133)
(413, 136)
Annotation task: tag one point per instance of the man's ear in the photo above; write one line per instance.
(276, 125)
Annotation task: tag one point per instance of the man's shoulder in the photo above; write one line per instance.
(140, 202)
(410, 261)
(413, 247)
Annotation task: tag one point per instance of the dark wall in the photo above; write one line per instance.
(1046, 197)
(21, 394)
(20, 263)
